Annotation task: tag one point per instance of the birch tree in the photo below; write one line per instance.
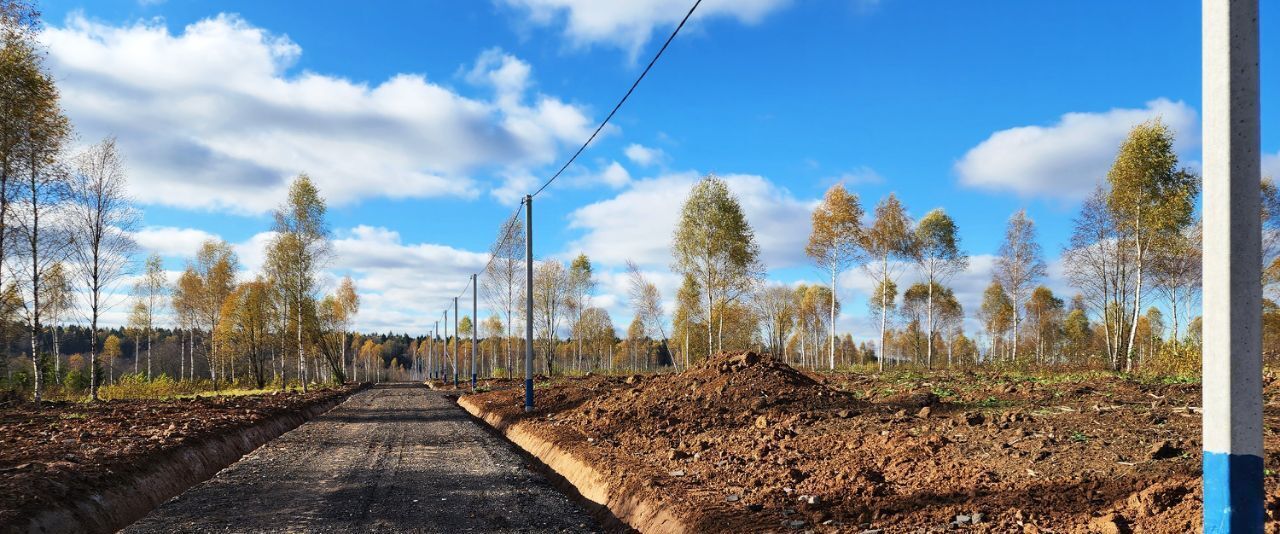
(185, 303)
(888, 240)
(59, 301)
(1098, 263)
(38, 181)
(646, 300)
(937, 253)
(150, 291)
(345, 306)
(216, 265)
(1152, 200)
(102, 219)
(25, 93)
(550, 291)
(581, 283)
(715, 245)
(1019, 266)
(503, 279)
(835, 245)
(776, 306)
(302, 249)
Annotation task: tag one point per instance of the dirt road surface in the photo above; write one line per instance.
(390, 459)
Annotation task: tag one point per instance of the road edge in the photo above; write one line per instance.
(169, 475)
(635, 510)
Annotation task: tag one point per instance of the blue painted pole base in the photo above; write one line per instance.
(473, 380)
(1233, 493)
(528, 395)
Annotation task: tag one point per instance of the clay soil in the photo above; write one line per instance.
(745, 443)
(65, 451)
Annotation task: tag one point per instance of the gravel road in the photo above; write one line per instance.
(393, 458)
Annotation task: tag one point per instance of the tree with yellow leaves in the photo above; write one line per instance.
(835, 244)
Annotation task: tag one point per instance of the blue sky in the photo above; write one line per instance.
(423, 121)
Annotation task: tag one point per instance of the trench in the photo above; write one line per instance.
(622, 508)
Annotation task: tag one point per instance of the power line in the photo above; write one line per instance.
(510, 222)
(624, 98)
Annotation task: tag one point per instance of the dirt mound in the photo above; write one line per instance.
(733, 389)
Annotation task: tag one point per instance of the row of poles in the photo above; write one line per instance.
(439, 371)
(527, 206)
(1232, 362)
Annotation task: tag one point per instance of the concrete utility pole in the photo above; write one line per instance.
(528, 303)
(1232, 358)
(475, 329)
(444, 370)
(457, 342)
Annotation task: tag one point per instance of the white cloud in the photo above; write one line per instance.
(644, 156)
(171, 242)
(212, 118)
(1271, 165)
(637, 224)
(860, 176)
(629, 25)
(402, 286)
(612, 175)
(1068, 158)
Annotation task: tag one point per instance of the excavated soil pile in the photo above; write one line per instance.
(60, 453)
(744, 442)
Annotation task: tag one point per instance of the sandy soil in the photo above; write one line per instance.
(745, 443)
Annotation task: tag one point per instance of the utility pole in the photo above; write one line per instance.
(1232, 357)
(475, 328)
(431, 351)
(444, 377)
(528, 303)
(457, 342)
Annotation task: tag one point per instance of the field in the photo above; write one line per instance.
(64, 451)
(744, 442)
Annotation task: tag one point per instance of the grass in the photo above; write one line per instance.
(1078, 436)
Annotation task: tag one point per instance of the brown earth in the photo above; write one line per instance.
(744, 443)
(60, 453)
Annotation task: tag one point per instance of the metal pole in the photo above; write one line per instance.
(457, 342)
(475, 328)
(528, 303)
(1232, 357)
(431, 353)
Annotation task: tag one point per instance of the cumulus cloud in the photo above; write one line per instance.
(637, 223)
(402, 285)
(644, 156)
(212, 118)
(629, 25)
(1068, 158)
(171, 242)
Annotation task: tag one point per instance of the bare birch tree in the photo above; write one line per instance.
(503, 279)
(1019, 266)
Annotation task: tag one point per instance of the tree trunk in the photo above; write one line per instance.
(1137, 309)
(884, 308)
(302, 359)
(929, 312)
(833, 318)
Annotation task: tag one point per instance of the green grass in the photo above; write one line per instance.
(1078, 436)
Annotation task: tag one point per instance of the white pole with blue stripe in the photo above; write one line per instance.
(1232, 385)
